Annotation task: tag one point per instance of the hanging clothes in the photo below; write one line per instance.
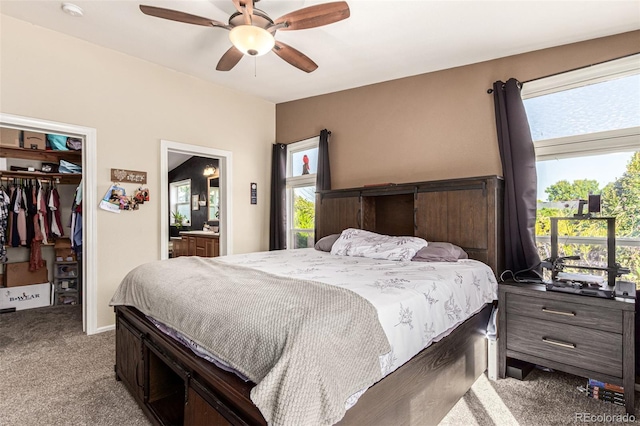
(5, 201)
(77, 232)
(42, 214)
(10, 230)
(30, 211)
(21, 217)
(35, 258)
(76, 221)
(57, 229)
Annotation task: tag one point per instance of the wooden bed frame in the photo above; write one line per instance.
(174, 386)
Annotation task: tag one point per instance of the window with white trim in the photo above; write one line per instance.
(585, 125)
(302, 162)
(180, 202)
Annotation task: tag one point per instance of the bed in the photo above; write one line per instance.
(174, 386)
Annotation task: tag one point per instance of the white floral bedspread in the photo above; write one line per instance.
(417, 303)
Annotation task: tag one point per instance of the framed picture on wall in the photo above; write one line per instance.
(195, 205)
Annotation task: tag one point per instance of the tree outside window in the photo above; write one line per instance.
(587, 141)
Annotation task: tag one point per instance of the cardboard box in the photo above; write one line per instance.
(62, 243)
(18, 274)
(26, 297)
(34, 140)
(63, 250)
(9, 137)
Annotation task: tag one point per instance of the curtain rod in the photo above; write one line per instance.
(490, 91)
(300, 140)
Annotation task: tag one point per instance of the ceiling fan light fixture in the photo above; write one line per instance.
(252, 40)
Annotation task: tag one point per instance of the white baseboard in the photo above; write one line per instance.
(105, 328)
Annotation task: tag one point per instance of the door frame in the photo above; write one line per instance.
(89, 207)
(226, 214)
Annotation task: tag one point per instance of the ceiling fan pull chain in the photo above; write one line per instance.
(255, 67)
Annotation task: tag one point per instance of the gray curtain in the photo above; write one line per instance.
(278, 212)
(520, 179)
(323, 178)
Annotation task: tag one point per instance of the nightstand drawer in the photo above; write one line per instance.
(565, 312)
(594, 350)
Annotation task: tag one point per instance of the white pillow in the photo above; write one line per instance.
(360, 243)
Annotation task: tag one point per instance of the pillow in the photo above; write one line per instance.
(360, 243)
(325, 243)
(440, 252)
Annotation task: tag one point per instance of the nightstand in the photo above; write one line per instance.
(586, 336)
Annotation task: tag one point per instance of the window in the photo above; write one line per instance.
(213, 203)
(180, 199)
(302, 161)
(586, 130)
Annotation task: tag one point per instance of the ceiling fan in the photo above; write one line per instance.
(252, 31)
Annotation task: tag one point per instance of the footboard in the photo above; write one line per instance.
(174, 386)
(171, 384)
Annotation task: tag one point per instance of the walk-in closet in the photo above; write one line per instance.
(41, 231)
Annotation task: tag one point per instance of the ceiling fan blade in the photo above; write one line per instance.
(294, 57)
(239, 8)
(246, 10)
(315, 16)
(229, 60)
(174, 15)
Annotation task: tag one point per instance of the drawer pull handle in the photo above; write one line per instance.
(551, 311)
(557, 343)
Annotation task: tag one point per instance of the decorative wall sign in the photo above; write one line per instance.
(132, 176)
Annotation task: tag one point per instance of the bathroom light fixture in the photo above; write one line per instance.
(72, 9)
(209, 171)
(252, 40)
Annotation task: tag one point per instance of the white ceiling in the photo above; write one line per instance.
(174, 159)
(382, 40)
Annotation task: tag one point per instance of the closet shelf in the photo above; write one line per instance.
(64, 178)
(40, 155)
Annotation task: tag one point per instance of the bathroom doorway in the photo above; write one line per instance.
(216, 168)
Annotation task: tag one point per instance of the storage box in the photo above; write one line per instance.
(26, 297)
(9, 137)
(18, 274)
(34, 140)
(518, 369)
(66, 298)
(63, 250)
(66, 270)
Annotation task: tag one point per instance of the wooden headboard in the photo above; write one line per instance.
(466, 212)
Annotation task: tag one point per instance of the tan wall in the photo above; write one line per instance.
(438, 125)
(133, 104)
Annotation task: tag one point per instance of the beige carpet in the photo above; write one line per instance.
(543, 398)
(53, 374)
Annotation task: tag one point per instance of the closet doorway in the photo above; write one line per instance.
(208, 202)
(85, 264)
